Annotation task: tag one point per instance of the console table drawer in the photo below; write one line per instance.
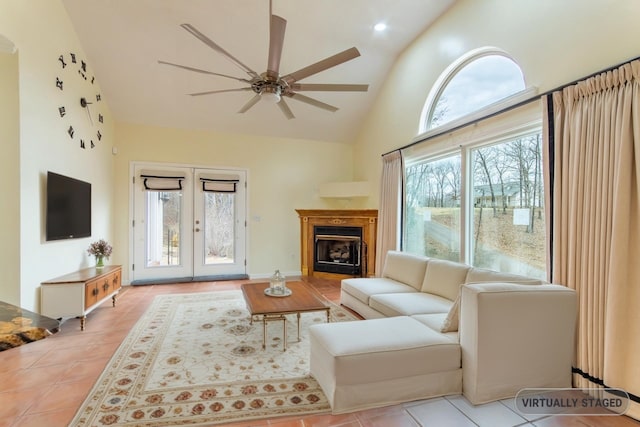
(90, 294)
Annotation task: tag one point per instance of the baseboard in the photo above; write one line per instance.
(214, 278)
(286, 274)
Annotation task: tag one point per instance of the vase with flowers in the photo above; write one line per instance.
(101, 250)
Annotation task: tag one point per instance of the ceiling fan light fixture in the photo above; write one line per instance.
(271, 94)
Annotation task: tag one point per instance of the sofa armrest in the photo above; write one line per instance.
(515, 336)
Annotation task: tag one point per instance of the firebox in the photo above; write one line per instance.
(338, 250)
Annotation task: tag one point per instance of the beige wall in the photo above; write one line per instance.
(555, 42)
(41, 31)
(9, 179)
(283, 175)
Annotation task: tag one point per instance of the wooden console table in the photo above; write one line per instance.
(77, 294)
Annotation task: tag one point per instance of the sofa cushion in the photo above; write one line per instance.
(443, 278)
(362, 288)
(379, 349)
(405, 268)
(379, 362)
(407, 304)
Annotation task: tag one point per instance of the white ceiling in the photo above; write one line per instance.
(124, 39)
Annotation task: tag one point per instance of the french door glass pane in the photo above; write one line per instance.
(508, 229)
(164, 212)
(219, 228)
(432, 226)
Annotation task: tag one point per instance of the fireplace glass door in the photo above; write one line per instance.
(338, 250)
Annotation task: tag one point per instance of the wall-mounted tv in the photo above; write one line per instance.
(68, 207)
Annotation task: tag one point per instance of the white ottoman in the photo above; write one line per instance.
(379, 362)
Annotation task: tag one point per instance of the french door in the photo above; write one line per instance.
(188, 223)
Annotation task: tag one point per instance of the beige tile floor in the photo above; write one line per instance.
(45, 382)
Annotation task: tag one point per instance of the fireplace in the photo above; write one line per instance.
(338, 244)
(338, 250)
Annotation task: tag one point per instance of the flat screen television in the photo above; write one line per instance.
(68, 208)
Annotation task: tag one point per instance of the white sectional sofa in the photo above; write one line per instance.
(435, 328)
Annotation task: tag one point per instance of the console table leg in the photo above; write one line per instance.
(82, 321)
(113, 299)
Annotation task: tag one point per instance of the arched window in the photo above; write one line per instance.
(476, 80)
(473, 181)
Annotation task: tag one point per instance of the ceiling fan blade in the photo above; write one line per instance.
(253, 101)
(206, 40)
(198, 70)
(319, 66)
(276, 41)
(311, 87)
(285, 109)
(210, 92)
(311, 101)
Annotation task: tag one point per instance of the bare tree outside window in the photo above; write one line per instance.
(219, 227)
(508, 175)
(433, 208)
(164, 244)
(506, 208)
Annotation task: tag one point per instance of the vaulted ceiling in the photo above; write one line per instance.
(124, 40)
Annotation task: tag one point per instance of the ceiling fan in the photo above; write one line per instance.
(270, 85)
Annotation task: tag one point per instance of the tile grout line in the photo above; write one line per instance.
(526, 421)
(460, 410)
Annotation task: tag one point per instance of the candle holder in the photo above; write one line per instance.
(277, 286)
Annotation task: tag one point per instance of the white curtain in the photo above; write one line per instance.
(389, 212)
(594, 155)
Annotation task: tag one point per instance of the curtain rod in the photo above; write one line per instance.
(511, 107)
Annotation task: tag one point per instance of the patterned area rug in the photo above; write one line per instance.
(196, 359)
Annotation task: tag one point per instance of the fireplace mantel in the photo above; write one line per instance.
(366, 219)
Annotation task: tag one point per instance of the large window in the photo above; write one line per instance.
(475, 194)
(495, 222)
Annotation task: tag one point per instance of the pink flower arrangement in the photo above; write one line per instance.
(100, 248)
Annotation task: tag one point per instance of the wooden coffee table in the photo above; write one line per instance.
(302, 299)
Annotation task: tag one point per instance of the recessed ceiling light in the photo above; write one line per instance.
(380, 26)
